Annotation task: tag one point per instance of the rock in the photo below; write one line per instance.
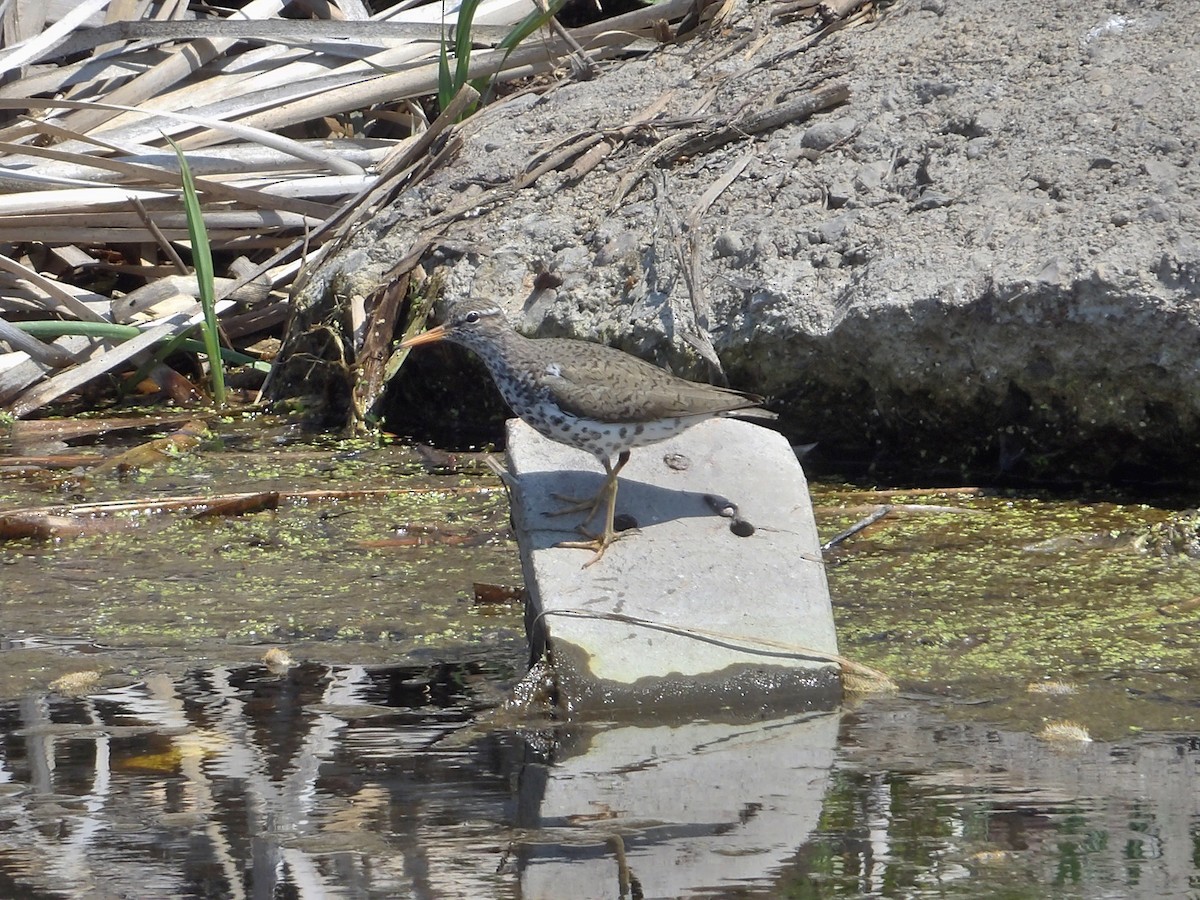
(635, 631)
(1007, 147)
(870, 177)
(730, 245)
(826, 134)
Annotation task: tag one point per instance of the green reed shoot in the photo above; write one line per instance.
(203, 265)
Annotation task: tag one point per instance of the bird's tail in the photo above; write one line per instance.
(751, 414)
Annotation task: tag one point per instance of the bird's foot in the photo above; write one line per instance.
(596, 543)
(579, 504)
(606, 497)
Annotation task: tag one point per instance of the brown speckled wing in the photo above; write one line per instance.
(608, 385)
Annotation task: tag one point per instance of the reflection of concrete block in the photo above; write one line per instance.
(685, 608)
(704, 805)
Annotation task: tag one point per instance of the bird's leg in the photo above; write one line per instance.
(600, 542)
(591, 504)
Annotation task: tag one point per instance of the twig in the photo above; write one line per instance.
(692, 266)
(858, 526)
(48, 354)
(166, 246)
(785, 113)
(584, 62)
(704, 141)
(834, 10)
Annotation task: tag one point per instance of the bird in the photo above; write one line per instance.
(585, 395)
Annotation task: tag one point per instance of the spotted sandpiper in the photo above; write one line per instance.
(585, 395)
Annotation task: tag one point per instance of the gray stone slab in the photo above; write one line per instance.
(681, 611)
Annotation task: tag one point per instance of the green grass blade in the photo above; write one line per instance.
(113, 332)
(462, 41)
(522, 30)
(528, 25)
(203, 264)
(450, 83)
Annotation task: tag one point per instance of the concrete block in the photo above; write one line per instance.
(682, 612)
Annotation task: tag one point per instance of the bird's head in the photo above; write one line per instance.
(472, 325)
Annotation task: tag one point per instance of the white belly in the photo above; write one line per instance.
(604, 440)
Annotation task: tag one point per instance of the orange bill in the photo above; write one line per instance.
(426, 337)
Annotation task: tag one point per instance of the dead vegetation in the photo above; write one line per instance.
(298, 119)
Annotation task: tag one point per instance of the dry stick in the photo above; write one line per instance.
(584, 142)
(278, 142)
(157, 505)
(832, 10)
(48, 354)
(578, 54)
(857, 527)
(30, 50)
(246, 158)
(27, 464)
(166, 246)
(354, 209)
(812, 39)
(16, 378)
(170, 287)
(598, 152)
(373, 33)
(557, 159)
(766, 120)
(377, 339)
(118, 11)
(142, 172)
(703, 141)
(42, 430)
(588, 161)
(41, 126)
(57, 293)
(60, 384)
(692, 268)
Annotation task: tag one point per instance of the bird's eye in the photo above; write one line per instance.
(471, 318)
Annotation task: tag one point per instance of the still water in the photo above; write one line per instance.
(173, 761)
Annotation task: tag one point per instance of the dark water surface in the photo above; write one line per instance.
(171, 761)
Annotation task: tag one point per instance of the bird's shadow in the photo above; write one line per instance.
(646, 504)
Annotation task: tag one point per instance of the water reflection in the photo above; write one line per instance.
(706, 804)
(345, 781)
